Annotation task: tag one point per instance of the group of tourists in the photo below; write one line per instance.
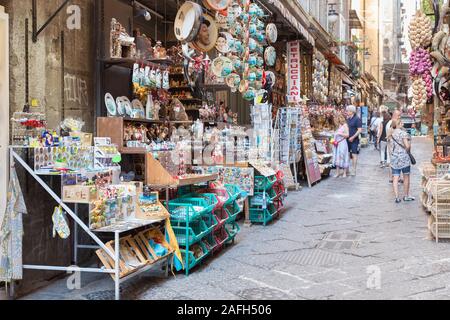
(389, 138)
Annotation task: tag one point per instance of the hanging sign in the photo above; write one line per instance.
(294, 72)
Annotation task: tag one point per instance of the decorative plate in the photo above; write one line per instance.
(207, 35)
(120, 106)
(127, 105)
(270, 56)
(187, 21)
(222, 66)
(110, 104)
(224, 42)
(271, 33)
(217, 5)
(222, 20)
(233, 80)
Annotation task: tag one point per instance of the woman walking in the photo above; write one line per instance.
(382, 138)
(341, 156)
(400, 160)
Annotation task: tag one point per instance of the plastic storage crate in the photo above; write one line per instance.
(264, 183)
(221, 236)
(185, 207)
(222, 195)
(192, 260)
(232, 229)
(210, 198)
(221, 216)
(264, 216)
(196, 231)
(233, 210)
(180, 211)
(260, 199)
(234, 191)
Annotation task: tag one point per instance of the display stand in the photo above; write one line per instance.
(113, 254)
(287, 137)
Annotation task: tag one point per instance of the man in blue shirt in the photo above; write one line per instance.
(355, 129)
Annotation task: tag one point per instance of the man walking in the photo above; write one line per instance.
(355, 128)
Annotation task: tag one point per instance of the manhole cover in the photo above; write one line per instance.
(263, 294)
(311, 257)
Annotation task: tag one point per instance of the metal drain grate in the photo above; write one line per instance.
(311, 257)
(263, 294)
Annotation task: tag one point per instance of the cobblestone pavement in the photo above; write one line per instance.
(342, 239)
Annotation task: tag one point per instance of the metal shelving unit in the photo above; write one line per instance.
(15, 158)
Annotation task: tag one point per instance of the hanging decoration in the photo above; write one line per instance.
(237, 31)
(420, 36)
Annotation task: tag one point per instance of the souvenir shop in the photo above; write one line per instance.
(194, 131)
(429, 95)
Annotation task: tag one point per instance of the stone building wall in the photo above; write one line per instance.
(45, 83)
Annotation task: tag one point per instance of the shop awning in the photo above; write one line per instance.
(347, 80)
(287, 13)
(354, 21)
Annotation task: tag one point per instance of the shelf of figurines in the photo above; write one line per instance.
(130, 62)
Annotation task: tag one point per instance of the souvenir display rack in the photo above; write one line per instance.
(117, 266)
(267, 201)
(287, 141)
(203, 234)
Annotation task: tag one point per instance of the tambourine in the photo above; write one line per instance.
(187, 21)
(207, 35)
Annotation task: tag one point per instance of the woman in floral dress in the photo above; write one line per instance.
(341, 157)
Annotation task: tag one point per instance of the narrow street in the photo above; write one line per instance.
(332, 241)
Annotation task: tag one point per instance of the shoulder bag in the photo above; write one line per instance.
(411, 157)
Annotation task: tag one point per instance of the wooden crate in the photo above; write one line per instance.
(131, 257)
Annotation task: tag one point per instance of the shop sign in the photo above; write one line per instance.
(294, 72)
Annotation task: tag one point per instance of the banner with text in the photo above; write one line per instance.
(294, 72)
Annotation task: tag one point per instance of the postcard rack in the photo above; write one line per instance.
(111, 251)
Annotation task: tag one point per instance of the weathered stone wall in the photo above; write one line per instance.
(45, 61)
(45, 86)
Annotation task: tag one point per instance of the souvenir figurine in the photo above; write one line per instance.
(159, 51)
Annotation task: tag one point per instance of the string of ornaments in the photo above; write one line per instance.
(420, 36)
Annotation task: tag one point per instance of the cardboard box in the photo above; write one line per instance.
(78, 194)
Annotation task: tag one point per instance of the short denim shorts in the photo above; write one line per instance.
(405, 170)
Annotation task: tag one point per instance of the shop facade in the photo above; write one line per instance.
(152, 141)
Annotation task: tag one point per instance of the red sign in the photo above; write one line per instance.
(294, 72)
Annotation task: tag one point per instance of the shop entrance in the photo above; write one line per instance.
(4, 105)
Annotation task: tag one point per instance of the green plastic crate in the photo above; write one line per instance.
(234, 191)
(184, 211)
(260, 200)
(210, 221)
(192, 261)
(196, 230)
(233, 210)
(264, 216)
(264, 183)
(210, 198)
(197, 205)
(232, 229)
